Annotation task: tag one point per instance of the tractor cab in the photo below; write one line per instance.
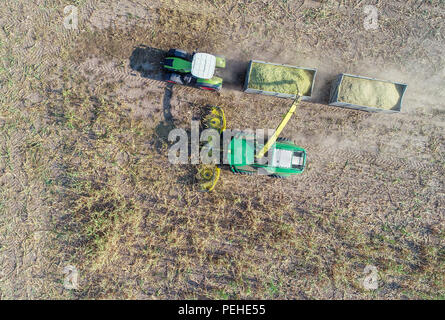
(203, 65)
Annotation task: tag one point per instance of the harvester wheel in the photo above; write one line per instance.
(246, 173)
(208, 176)
(281, 139)
(277, 176)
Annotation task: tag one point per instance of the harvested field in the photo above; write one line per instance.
(85, 180)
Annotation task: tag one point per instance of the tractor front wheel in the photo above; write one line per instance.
(209, 87)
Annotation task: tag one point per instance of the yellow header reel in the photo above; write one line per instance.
(208, 176)
(215, 119)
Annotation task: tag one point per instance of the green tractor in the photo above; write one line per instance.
(245, 156)
(195, 69)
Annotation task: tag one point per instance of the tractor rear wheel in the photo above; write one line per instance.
(173, 78)
(178, 53)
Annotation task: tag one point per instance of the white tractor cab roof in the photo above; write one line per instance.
(203, 65)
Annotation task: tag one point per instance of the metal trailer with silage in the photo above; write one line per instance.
(279, 80)
(367, 94)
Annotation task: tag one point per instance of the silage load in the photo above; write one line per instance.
(371, 93)
(273, 78)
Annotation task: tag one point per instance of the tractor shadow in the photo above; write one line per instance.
(148, 61)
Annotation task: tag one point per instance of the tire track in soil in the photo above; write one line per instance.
(119, 75)
(44, 52)
(361, 157)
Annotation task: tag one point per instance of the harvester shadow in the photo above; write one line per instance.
(161, 140)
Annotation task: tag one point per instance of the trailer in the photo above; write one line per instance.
(367, 94)
(279, 80)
